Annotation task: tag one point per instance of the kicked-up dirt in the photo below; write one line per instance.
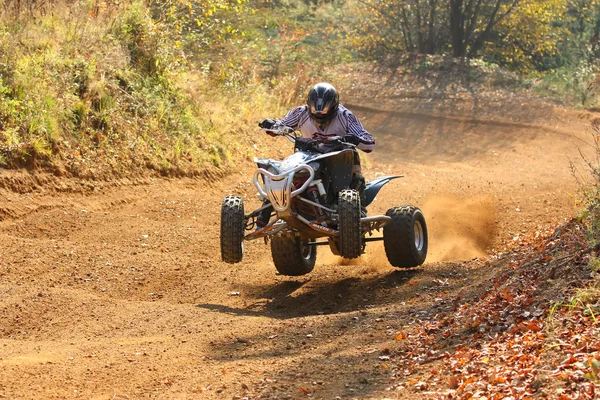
(118, 291)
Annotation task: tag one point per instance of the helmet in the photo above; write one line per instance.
(323, 102)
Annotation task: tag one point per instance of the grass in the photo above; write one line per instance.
(106, 94)
(89, 92)
(586, 300)
(573, 85)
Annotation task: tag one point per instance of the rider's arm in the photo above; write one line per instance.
(294, 118)
(356, 129)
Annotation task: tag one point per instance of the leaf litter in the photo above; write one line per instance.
(524, 336)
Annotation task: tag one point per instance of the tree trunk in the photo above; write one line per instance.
(430, 45)
(420, 41)
(493, 21)
(457, 28)
(407, 24)
(403, 28)
(595, 40)
(474, 15)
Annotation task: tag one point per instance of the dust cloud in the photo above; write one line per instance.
(459, 228)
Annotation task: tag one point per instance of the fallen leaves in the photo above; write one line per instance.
(503, 330)
(454, 382)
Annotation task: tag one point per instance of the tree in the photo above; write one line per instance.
(506, 31)
(529, 36)
(424, 26)
(390, 27)
(582, 20)
(472, 22)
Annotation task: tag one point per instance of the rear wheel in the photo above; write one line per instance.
(293, 256)
(232, 229)
(405, 237)
(350, 235)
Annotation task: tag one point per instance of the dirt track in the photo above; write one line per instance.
(119, 292)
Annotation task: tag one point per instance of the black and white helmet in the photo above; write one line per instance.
(323, 102)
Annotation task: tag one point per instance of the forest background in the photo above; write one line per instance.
(98, 89)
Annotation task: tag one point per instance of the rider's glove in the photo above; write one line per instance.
(267, 123)
(304, 144)
(351, 139)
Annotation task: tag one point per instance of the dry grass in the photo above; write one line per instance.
(94, 90)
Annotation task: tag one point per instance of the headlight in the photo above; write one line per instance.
(274, 167)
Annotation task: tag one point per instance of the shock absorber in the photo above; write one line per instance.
(313, 192)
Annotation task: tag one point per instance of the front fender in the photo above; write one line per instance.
(373, 187)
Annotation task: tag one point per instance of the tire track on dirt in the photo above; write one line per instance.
(130, 298)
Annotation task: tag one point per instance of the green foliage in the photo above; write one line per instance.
(588, 178)
(200, 27)
(278, 45)
(524, 35)
(577, 84)
(432, 26)
(99, 92)
(170, 85)
(582, 22)
(385, 29)
(528, 35)
(594, 264)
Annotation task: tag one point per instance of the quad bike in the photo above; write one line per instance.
(309, 197)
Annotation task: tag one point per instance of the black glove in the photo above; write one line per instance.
(351, 139)
(267, 123)
(304, 144)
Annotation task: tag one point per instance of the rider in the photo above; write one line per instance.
(323, 116)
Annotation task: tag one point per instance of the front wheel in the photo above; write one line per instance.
(232, 229)
(293, 256)
(350, 235)
(405, 237)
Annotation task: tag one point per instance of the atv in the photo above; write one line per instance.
(311, 204)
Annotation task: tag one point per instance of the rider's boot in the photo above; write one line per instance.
(358, 184)
(263, 217)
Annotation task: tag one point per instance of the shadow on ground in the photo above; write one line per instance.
(299, 298)
(423, 138)
(326, 354)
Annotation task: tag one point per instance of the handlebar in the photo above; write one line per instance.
(293, 136)
(285, 131)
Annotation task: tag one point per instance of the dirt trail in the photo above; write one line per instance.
(120, 292)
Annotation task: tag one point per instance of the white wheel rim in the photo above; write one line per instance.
(306, 250)
(419, 236)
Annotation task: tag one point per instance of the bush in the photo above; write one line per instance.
(588, 179)
(576, 84)
(95, 94)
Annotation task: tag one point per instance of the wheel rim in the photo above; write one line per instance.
(419, 236)
(306, 250)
